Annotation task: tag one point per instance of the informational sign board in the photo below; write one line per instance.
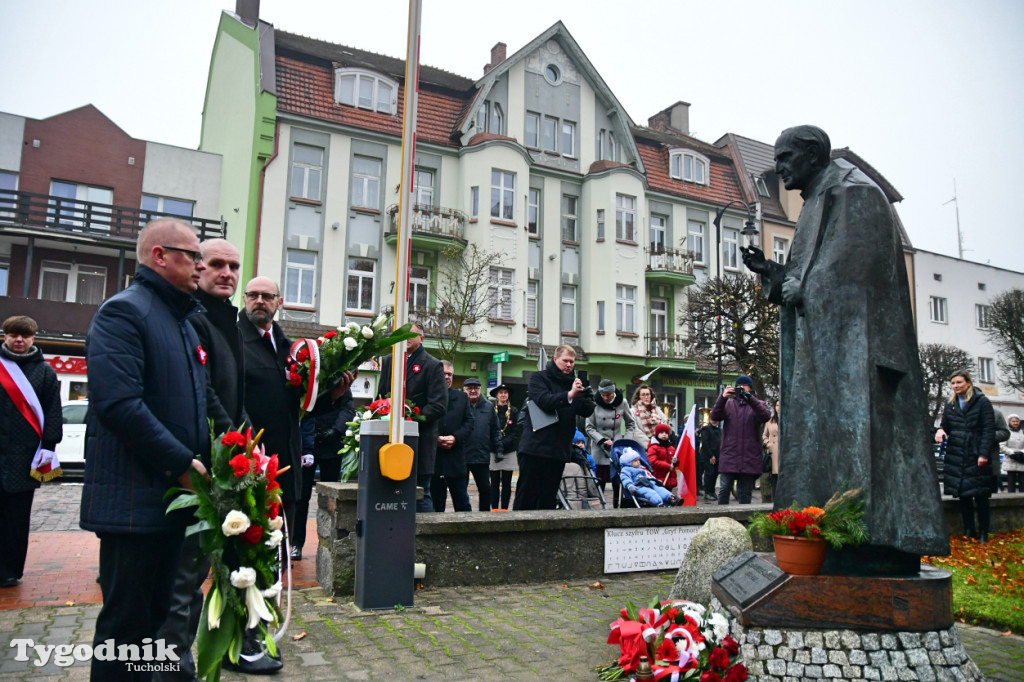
(646, 549)
(747, 578)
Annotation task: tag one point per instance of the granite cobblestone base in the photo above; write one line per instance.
(805, 655)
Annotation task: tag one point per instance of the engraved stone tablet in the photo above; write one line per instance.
(747, 578)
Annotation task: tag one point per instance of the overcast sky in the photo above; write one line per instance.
(924, 90)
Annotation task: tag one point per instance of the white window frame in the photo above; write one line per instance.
(761, 186)
(780, 247)
(74, 273)
(569, 295)
(625, 309)
(625, 217)
(360, 276)
(503, 192)
(423, 186)
(696, 241)
(499, 293)
(474, 202)
(419, 287)
(546, 144)
(496, 123)
(689, 166)
(533, 211)
(359, 77)
(982, 316)
(570, 223)
(600, 224)
(730, 248)
(600, 317)
(986, 371)
(659, 318)
(567, 138)
(658, 232)
(937, 310)
(606, 145)
(83, 193)
(310, 187)
(162, 209)
(531, 139)
(302, 272)
(532, 287)
(365, 181)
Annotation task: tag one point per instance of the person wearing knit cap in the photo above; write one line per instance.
(611, 417)
(662, 453)
(741, 414)
(1013, 455)
(640, 483)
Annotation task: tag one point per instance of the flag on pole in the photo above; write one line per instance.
(686, 461)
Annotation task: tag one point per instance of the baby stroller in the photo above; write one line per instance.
(579, 488)
(618, 449)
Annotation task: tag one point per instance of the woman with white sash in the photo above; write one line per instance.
(31, 425)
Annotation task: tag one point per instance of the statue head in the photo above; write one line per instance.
(800, 154)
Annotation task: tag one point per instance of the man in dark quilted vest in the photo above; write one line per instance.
(146, 429)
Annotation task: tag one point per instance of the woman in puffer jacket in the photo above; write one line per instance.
(968, 425)
(612, 415)
(1013, 456)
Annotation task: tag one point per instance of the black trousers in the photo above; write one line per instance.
(1015, 481)
(710, 476)
(968, 505)
(330, 469)
(482, 477)
(136, 578)
(604, 475)
(182, 623)
(15, 513)
(538, 482)
(501, 489)
(298, 536)
(440, 486)
(744, 487)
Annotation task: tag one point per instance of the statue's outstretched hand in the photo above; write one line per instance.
(754, 259)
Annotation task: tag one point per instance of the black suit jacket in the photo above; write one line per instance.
(270, 403)
(458, 422)
(426, 388)
(217, 329)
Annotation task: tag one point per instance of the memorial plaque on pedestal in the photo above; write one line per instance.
(747, 578)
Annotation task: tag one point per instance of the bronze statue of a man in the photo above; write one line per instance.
(853, 404)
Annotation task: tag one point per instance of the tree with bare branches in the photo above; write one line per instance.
(749, 327)
(464, 297)
(1006, 333)
(938, 362)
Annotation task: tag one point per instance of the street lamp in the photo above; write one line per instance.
(749, 231)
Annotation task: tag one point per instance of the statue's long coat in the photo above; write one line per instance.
(853, 405)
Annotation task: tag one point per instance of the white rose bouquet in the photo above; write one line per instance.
(316, 365)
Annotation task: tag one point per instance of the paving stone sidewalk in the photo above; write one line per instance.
(514, 632)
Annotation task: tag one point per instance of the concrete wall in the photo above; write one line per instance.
(12, 132)
(184, 174)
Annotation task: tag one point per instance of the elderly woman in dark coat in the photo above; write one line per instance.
(972, 455)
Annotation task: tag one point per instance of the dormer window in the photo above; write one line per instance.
(688, 166)
(761, 185)
(366, 90)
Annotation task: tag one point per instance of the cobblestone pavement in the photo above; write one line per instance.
(512, 632)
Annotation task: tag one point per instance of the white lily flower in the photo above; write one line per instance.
(348, 433)
(276, 524)
(367, 332)
(256, 607)
(235, 523)
(272, 591)
(243, 577)
(215, 608)
(350, 343)
(275, 538)
(379, 322)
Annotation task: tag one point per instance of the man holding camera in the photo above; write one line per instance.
(741, 415)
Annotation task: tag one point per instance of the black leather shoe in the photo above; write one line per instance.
(296, 554)
(9, 582)
(265, 665)
(710, 498)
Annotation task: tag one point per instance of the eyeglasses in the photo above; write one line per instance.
(194, 255)
(256, 295)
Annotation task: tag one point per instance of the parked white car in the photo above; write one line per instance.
(71, 448)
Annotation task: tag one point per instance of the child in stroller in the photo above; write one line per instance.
(579, 486)
(637, 480)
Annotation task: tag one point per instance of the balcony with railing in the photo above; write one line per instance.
(43, 215)
(670, 347)
(670, 266)
(433, 322)
(433, 227)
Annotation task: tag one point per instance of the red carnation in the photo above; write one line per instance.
(303, 354)
(737, 673)
(273, 509)
(294, 379)
(232, 438)
(319, 342)
(272, 486)
(719, 658)
(272, 466)
(330, 335)
(253, 534)
(730, 645)
(240, 463)
(710, 677)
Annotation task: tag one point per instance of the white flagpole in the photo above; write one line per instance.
(404, 230)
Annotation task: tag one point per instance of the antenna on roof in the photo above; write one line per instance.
(959, 234)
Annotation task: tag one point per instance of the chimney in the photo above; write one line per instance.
(675, 118)
(498, 54)
(248, 11)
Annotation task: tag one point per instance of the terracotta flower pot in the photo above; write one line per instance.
(799, 556)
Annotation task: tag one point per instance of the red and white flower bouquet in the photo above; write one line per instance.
(681, 639)
(378, 409)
